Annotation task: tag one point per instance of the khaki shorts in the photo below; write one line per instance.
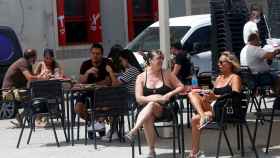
(15, 95)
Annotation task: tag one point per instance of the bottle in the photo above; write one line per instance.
(194, 81)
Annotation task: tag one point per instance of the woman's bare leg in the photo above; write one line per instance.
(150, 133)
(145, 114)
(196, 101)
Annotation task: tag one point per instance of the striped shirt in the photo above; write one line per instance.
(129, 78)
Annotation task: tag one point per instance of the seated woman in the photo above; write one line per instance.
(49, 68)
(226, 82)
(153, 89)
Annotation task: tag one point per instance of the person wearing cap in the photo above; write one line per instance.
(49, 67)
(19, 74)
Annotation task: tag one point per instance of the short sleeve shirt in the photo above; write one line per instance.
(129, 77)
(184, 61)
(14, 77)
(255, 59)
(102, 73)
(249, 28)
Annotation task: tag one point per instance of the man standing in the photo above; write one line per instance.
(251, 26)
(19, 74)
(182, 64)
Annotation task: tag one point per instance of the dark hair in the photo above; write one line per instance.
(255, 7)
(29, 53)
(252, 37)
(176, 45)
(114, 55)
(128, 55)
(149, 56)
(97, 45)
(49, 52)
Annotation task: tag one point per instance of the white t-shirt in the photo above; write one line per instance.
(254, 58)
(243, 57)
(249, 28)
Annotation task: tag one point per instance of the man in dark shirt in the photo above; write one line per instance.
(95, 70)
(182, 65)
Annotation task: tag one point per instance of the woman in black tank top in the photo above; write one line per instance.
(226, 82)
(153, 90)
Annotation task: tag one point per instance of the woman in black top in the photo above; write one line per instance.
(153, 89)
(226, 82)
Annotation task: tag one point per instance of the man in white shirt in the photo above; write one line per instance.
(255, 57)
(251, 26)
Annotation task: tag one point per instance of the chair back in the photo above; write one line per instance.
(235, 108)
(49, 90)
(111, 100)
(248, 79)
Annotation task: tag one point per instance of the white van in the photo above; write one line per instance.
(193, 32)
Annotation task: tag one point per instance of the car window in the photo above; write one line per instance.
(149, 38)
(200, 39)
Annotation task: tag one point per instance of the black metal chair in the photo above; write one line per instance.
(47, 99)
(176, 130)
(233, 112)
(110, 102)
(268, 115)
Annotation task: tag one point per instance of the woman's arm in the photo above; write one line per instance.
(38, 69)
(175, 83)
(236, 83)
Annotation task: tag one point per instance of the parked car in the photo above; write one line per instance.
(192, 31)
(10, 51)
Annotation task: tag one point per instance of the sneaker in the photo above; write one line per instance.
(152, 154)
(204, 121)
(99, 126)
(106, 138)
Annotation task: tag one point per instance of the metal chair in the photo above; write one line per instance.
(110, 102)
(268, 115)
(173, 124)
(47, 99)
(233, 112)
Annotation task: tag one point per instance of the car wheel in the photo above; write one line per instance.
(7, 110)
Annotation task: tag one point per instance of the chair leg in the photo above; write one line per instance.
(174, 141)
(255, 131)
(54, 131)
(21, 132)
(139, 142)
(182, 136)
(32, 127)
(242, 142)
(64, 128)
(238, 136)
(251, 140)
(269, 133)
(227, 141)
(78, 128)
(219, 142)
(86, 132)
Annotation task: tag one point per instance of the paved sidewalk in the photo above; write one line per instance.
(43, 144)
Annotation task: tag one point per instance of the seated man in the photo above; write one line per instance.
(95, 70)
(19, 74)
(256, 58)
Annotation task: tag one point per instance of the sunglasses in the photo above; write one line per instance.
(222, 61)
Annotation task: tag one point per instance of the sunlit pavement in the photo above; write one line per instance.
(43, 144)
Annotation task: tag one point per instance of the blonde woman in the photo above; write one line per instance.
(226, 82)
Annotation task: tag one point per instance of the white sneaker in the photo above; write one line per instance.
(107, 136)
(99, 126)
